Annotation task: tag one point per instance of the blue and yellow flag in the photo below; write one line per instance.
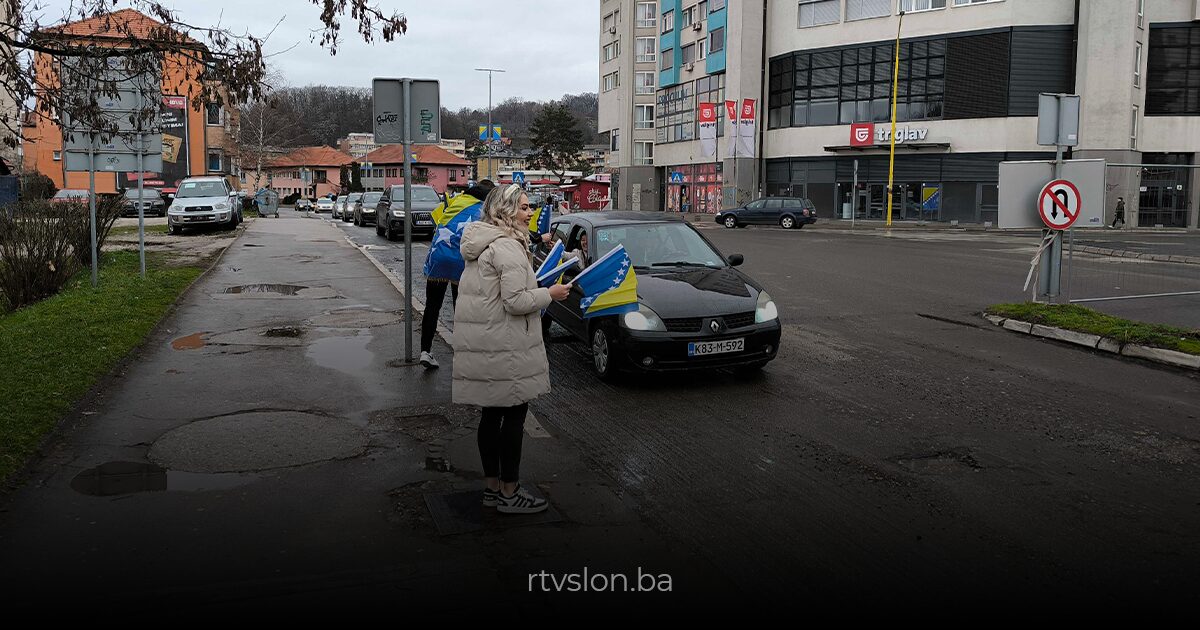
(539, 223)
(609, 285)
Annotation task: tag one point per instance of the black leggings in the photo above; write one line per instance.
(500, 432)
(435, 294)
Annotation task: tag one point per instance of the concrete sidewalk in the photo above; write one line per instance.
(266, 450)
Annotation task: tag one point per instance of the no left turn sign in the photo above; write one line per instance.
(1059, 204)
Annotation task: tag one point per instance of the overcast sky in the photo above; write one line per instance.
(548, 47)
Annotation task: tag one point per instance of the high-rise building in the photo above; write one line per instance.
(969, 76)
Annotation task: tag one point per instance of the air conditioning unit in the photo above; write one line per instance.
(697, 26)
(612, 30)
(690, 66)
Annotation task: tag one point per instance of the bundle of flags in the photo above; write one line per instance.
(551, 270)
(609, 285)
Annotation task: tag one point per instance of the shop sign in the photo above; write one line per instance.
(869, 134)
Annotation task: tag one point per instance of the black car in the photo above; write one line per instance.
(389, 211)
(695, 310)
(364, 208)
(786, 212)
(152, 202)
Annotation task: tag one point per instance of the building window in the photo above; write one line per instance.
(716, 40)
(863, 9)
(667, 61)
(1133, 131)
(1173, 71)
(453, 174)
(611, 81)
(616, 140)
(687, 17)
(716, 5)
(391, 172)
(213, 117)
(645, 50)
(643, 117)
(612, 50)
(855, 85)
(913, 6)
(214, 161)
(689, 54)
(676, 114)
(817, 12)
(610, 22)
(701, 49)
(320, 177)
(58, 156)
(711, 89)
(376, 172)
(643, 153)
(1137, 65)
(647, 15)
(643, 83)
(963, 3)
(668, 21)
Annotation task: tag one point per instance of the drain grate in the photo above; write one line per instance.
(285, 331)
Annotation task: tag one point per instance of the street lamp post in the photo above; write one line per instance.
(892, 142)
(488, 133)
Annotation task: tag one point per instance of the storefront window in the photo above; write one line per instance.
(694, 188)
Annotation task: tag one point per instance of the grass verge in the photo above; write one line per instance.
(131, 230)
(53, 352)
(1085, 320)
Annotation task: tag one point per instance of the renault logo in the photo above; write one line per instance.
(715, 325)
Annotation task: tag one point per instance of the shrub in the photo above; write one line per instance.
(76, 221)
(37, 185)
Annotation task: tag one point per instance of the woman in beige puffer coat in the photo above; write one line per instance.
(499, 358)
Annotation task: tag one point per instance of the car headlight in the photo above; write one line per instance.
(765, 310)
(221, 206)
(399, 214)
(643, 319)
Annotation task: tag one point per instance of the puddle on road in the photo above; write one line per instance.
(344, 354)
(194, 341)
(117, 478)
(282, 289)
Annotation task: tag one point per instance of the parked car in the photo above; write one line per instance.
(695, 310)
(152, 202)
(346, 206)
(364, 208)
(389, 211)
(70, 195)
(303, 204)
(203, 201)
(786, 212)
(324, 204)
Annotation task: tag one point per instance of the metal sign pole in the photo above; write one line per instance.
(407, 122)
(141, 178)
(854, 196)
(92, 205)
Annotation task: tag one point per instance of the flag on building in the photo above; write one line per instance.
(745, 127)
(609, 285)
(731, 116)
(708, 130)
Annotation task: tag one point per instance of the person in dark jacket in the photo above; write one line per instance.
(1120, 213)
(444, 263)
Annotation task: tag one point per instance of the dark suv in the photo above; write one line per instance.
(389, 210)
(786, 212)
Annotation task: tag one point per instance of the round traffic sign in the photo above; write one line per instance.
(1059, 204)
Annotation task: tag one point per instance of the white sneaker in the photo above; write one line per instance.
(521, 502)
(428, 361)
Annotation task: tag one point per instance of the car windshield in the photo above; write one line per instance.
(372, 197)
(658, 245)
(201, 189)
(419, 194)
(147, 193)
(70, 194)
(354, 197)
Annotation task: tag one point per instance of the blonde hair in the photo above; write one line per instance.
(500, 209)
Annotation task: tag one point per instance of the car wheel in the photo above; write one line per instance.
(378, 230)
(604, 359)
(730, 221)
(787, 223)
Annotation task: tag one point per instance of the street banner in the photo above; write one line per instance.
(731, 116)
(708, 130)
(745, 127)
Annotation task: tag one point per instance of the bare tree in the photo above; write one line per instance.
(223, 65)
(264, 128)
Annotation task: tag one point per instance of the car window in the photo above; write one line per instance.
(650, 244)
(774, 204)
(201, 189)
(372, 198)
(792, 203)
(132, 193)
(754, 205)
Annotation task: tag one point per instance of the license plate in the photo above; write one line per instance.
(424, 223)
(705, 348)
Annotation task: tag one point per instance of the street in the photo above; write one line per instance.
(900, 439)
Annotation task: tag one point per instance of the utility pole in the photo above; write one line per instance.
(488, 133)
(892, 143)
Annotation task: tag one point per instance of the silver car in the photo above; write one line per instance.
(324, 204)
(204, 201)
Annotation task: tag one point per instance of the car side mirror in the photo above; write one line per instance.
(735, 259)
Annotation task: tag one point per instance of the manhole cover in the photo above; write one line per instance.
(282, 289)
(257, 441)
(285, 331)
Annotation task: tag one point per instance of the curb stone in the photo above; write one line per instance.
(1096, 342)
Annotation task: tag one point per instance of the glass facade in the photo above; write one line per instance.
(1173, 71)
(693, 188)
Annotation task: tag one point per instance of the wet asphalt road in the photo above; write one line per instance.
(900, 445)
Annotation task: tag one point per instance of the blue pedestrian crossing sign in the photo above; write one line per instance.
(518, 177)
(676, 178)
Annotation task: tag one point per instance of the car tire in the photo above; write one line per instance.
(174, 230)
(787, 222)
(730, 221)
(604, 360)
